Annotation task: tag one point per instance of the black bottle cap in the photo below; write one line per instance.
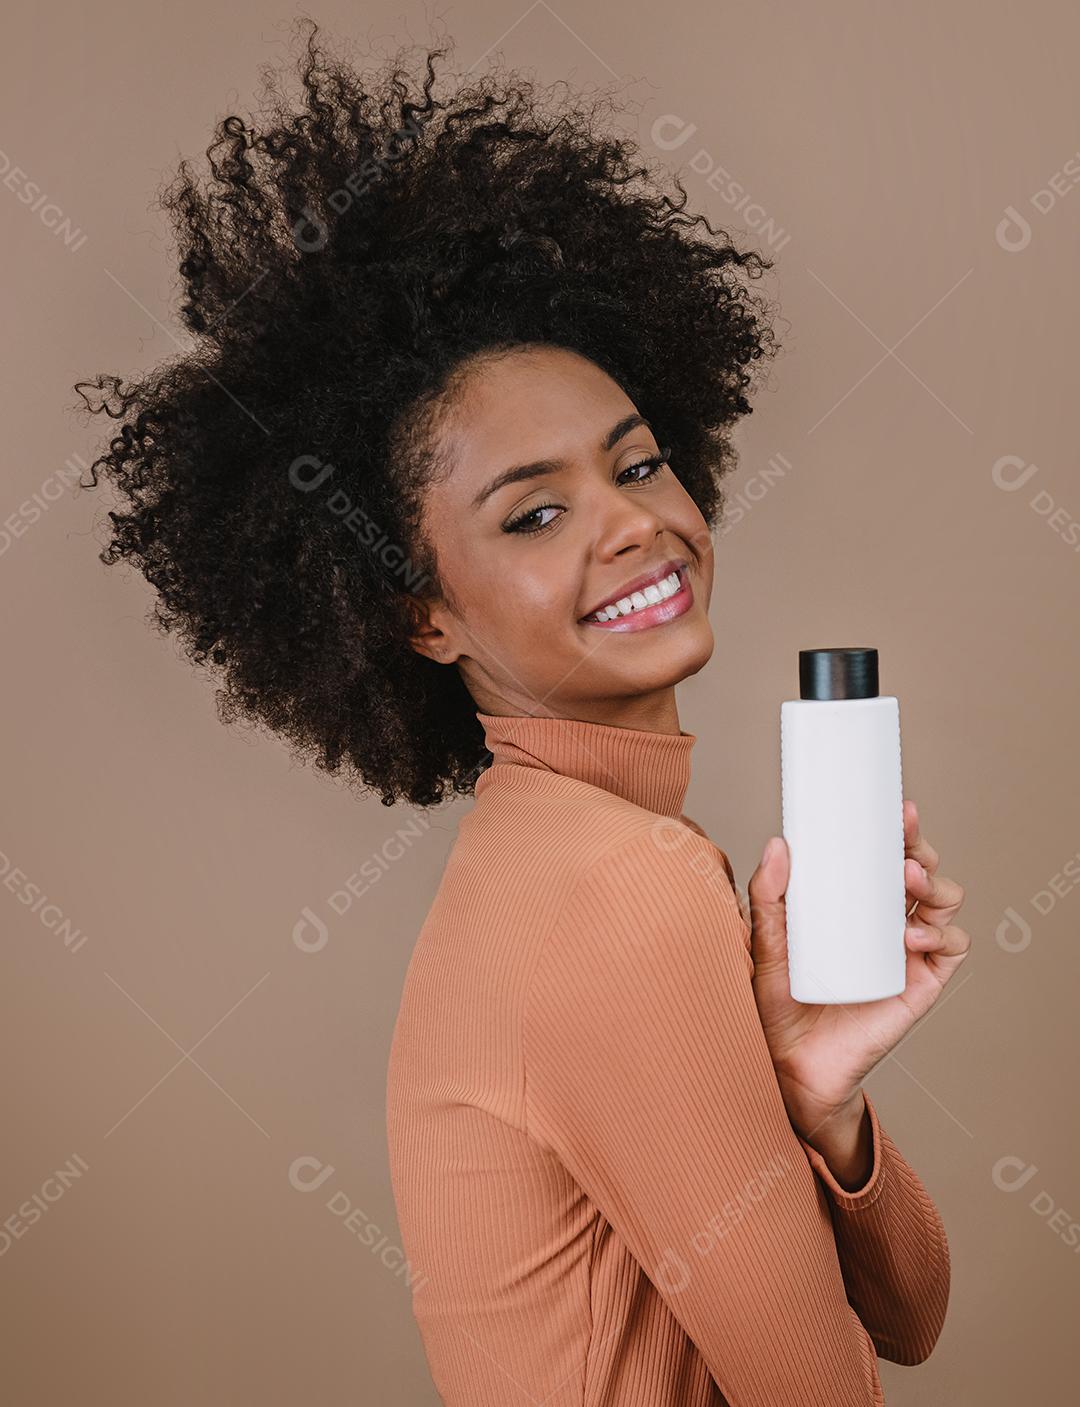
(838, 674)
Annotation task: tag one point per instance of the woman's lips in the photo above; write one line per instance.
(649, 616)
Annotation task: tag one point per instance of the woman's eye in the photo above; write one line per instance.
(654, 464)
(526, 526)
(515, 524)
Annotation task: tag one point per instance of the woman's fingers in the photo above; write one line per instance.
(916, 846)
(949, 941)
(943, 948)
(937, 896)
(932, 901)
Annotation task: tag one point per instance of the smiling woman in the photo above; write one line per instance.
(434, 490)
(515, 616)
(419, 294)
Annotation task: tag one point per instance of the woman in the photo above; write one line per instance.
(435, 489)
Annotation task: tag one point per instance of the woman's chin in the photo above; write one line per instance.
(658, 658)
(696, 656)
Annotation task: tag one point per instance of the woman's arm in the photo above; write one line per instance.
(892, 1246)
(648, 1075)
(889, 1235)
(723, 858)
(890, 1238)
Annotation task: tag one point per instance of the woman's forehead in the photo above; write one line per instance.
(547, 404)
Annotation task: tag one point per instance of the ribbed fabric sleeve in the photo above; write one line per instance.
(601, 1198)
(647, 1073)
(893, 1250)
(890, 1239)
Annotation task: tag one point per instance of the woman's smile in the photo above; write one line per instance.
(637, 611)
(618, 552)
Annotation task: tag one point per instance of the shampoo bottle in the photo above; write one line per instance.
(842, 804)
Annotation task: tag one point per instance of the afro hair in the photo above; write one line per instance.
(340, 267)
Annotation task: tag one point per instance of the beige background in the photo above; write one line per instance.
(908, 480)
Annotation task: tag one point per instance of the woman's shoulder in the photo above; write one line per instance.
(563, 840)
(723, 855)
(655, 913)
(575, 885)
(566, 826)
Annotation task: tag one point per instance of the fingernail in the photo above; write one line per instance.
(770, 846)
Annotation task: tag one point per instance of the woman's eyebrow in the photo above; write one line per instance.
(551, 466)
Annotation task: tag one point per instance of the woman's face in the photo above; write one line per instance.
(522, 563)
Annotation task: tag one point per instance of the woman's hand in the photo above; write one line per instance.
(821, 1054)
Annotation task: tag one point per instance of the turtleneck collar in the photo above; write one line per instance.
(650, 769)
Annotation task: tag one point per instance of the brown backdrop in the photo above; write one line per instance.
(204, 942)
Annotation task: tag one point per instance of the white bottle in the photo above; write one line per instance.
(843, 821)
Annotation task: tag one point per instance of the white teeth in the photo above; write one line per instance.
(638, 600)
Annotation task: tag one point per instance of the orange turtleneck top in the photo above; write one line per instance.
(600, 1195)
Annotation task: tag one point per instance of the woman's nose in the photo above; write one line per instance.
(622, 523)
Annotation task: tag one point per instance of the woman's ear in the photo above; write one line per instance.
(427, 636)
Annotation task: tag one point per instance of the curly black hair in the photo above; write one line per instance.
(342, 270)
